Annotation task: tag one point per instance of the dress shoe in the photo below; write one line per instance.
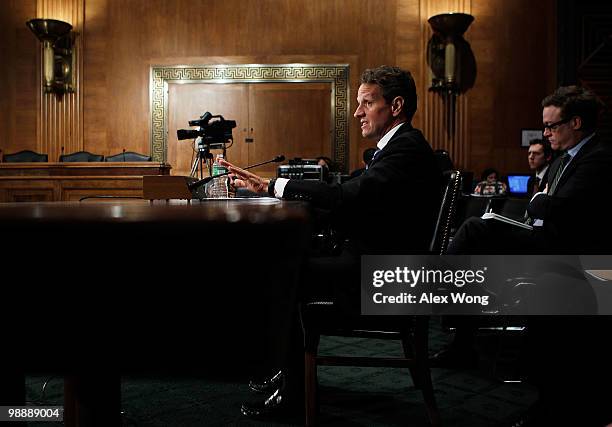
(535, 416)
(267, 385)
(455, 358)
(278, 404)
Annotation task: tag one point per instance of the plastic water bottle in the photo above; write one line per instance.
(218, 187)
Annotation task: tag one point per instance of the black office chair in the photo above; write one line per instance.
(321, 318)
(25, 156)
(128, 156)
(81, 156)
(443, 160)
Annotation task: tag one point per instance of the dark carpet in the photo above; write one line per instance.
(349, 396)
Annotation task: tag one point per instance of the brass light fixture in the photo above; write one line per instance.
(451, 60)
(58, 58)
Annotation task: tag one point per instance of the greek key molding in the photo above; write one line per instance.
(335, 74)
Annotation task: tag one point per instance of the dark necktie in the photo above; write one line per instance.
(373, 157)
(565, 158)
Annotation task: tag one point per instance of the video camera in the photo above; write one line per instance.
(216, 132)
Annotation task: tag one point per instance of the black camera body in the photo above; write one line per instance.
(216, 132)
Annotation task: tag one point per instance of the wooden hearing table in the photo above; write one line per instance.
(96, 289)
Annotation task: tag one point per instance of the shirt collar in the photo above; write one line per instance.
(387, 137)
(576, 148)
(541, 174)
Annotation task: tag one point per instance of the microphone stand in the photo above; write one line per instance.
(197, 184)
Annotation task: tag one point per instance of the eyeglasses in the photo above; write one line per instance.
(555, 125)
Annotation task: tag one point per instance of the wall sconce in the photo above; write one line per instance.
(58, 58)
(451, 60)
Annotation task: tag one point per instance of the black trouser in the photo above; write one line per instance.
(566, 358)
(334, 278)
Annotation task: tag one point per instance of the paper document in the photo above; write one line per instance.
(603, 275)
(491, 215)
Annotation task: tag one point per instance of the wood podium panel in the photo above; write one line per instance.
(84, 168)
(51, 182)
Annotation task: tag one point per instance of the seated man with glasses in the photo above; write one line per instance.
(570, 216)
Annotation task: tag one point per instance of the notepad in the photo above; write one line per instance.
(496, 217)
(603, 275)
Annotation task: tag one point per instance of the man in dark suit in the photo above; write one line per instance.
(389, 209)
(570, 216)
(367, 155)
(539, 158)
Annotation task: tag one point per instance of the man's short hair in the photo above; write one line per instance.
(368, 154)
(544, 143)
(394, 82)
(576, 101)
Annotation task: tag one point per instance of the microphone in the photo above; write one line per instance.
(196, 184)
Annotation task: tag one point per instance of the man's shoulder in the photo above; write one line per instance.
(596, 151)
(409, 136)
(407, 131)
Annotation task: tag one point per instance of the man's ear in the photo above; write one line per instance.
(577, 123)
(397, 106)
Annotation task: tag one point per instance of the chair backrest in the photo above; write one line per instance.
(81, 156)
(26, 156)
(128, 156)
(443, 160)
(447, 212)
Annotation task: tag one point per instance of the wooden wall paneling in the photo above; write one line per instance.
(334, 76)
(188, 102)
(4, 74)
(127, 82)
(515, 48)
(512, 42)
(17, 77)
(144, 33)
(97, 81)
(408, 50)
(289, 118)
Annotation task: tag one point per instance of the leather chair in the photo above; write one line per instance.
(81, 156)
(443, 160)
(320, 318)
(128, 156)
(25, 156)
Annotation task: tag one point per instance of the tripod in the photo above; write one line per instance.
(204, 156)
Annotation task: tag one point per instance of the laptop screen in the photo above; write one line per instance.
(517, 184)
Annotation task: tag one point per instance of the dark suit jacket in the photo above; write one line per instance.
(532, 182)
(392, 207)
(576, 219)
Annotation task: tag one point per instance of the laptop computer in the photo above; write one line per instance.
(518, 184)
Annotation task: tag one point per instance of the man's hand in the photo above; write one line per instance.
(241, 178)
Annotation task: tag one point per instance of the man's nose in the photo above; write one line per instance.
(358, 112)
